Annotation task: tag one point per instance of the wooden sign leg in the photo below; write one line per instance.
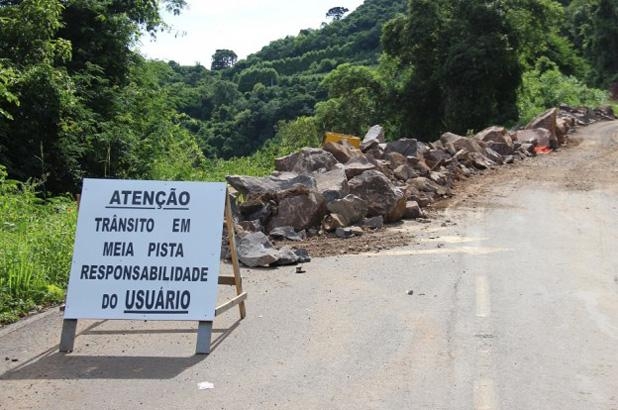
(229, 222)
(204, 336)
(67, 338)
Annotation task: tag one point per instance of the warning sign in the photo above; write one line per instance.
(146, 250)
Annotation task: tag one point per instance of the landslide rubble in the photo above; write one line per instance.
(343, 191)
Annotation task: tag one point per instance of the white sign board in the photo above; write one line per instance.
(146, 250)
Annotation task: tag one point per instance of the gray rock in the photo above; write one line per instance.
(350, 209)
(375, 151)
(274, 184)
(405, 172)
(306, 161)
(537, 136)
(300, 211)
(375, 188)
(332, 222)
(343, 151)
(479, 161)
(501, 148)
(439, 178)
(252, 226)
(376, 222)
(398, 210)
(357, 230)
(413, 210)
(357, 166)
(395, 159)
(459, 142)
(287, 256)
(344, 233)
(436, 157)
(423, 184)
(254, 249)
(287, 232)
(405, 146)
(496, 134)
(302, 255)
(494, 156)
(546, 120)
(419, 165)
(374, 136)
(332, 184)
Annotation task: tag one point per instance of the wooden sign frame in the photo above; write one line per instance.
(204, 330)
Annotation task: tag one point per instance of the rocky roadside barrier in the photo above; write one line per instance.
(343, 191)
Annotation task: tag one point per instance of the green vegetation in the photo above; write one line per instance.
(36, 241)
(76, 100)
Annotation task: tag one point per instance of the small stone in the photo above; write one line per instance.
(357, 231)
(343, 233)
(410, 292)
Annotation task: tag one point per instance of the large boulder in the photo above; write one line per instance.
(357, 166)
(495, 133)
(405, 172)
(399, 209)
(547, 120)
(274, 184)
(343, 151)
(332, 184)
(379, 192)
(395, 159)
(459, 142)
(405, 146)
(498, 139)
(350, 209)
(254, 249)
(374, 136)
(562, 130)
(306, 161)
(300, 211)
(419, 165)
(436, 157)
(538, 137)
(477, 160)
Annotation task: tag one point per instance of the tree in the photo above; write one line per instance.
(223, 59)
(603, 45)
(337, 13)
(355, 100)
(462, 64)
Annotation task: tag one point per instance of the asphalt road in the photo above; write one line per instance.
(508, 300)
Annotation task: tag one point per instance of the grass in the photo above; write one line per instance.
(36, 244)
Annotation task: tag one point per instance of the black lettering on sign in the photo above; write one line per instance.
(181, 225)
(165, 249)
(109, 301)
(118, 249)
(138, 199)
(116, 224)
(143, 301)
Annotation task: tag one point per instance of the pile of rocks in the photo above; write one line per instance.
(585, 116)
(345, 190)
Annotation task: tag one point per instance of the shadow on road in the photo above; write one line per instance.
(54, 365)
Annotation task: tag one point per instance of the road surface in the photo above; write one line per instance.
(507, 300)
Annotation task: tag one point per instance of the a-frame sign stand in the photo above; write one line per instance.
(204, 331)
